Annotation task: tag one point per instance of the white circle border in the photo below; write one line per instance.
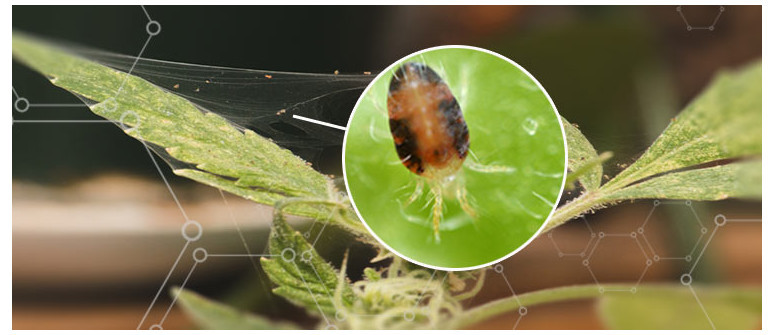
(347, 131)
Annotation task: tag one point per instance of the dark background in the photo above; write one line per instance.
(618, 72)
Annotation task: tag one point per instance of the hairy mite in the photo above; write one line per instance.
(429, 133)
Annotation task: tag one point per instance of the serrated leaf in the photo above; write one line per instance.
(211, 148)
(302, 276)
(675, 307)
(723, 122)
(739, 180)
(580, 154)
(209, 314)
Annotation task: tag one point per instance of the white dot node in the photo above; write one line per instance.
(339, 316)
(156, 327)
(153, 28)
(498, 268)
(409, 316)
(306, 256)
(124, 119)
(720, 220)
(523, 311)
(200, 255)
(686, 279)
(110, 104)
(656, 202)
(191, 230)
(21, 105)
(288, 255)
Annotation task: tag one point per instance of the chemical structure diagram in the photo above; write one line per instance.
(192, 231)
(690, 27)
(705, 233)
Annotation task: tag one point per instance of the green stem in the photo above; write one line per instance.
(342, 216)
(588, 166)
(586, 202)
(574, 208)
(512, 304)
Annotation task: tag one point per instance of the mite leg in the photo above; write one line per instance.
(462, 198)
(473, 164)
(416, 194)
(438, 210)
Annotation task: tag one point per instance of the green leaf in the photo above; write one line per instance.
(675, 307)
(209, 314)
(739, 180)
(723, 122)
(653, 306)
(302, 276)
(203, 146)
(583, 161)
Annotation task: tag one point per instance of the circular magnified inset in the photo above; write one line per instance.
(454, 157)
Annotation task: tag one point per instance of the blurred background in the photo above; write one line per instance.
(95, 230)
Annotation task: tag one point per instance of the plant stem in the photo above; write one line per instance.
(574, 208)
(513, 303)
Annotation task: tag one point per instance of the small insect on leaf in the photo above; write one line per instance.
(429, 132)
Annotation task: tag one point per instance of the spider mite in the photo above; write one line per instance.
(430, 135)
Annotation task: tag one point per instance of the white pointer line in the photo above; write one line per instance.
(318, 122)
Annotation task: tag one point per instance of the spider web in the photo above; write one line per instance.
(262, 101)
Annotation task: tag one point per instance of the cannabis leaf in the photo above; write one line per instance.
(209, 314)
(715, 183)
(722, 123)
(302, 276)
(199, 145)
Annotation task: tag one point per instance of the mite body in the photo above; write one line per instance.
(429, 133)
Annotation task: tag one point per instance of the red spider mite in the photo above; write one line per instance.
(429, 133)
